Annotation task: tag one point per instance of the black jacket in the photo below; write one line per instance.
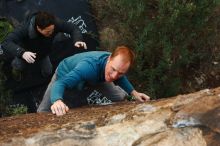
(27, 38)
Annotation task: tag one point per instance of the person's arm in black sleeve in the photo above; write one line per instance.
(12, 41)
(73, 30)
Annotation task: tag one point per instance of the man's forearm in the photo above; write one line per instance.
(12, 48)
(134, 93)
(56, 92)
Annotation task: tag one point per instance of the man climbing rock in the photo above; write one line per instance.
(98, 70)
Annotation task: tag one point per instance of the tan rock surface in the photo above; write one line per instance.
(185, 120)
(204, 109)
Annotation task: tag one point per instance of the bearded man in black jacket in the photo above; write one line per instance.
(32, 41)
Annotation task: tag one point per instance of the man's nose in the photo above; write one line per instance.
(49, 33)
(114, 75)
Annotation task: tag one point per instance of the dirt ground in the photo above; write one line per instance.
(25, 125)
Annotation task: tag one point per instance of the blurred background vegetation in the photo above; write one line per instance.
(5, 95)
(176, 42)
(6, 108)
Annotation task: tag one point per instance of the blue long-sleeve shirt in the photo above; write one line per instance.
(84, 67)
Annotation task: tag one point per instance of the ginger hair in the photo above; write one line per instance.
(126, 52)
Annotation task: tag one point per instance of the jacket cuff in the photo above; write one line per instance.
(20, 52)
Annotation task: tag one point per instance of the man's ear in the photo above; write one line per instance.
(38, 29)
(109, 58)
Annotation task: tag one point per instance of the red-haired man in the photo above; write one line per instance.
(98, 70)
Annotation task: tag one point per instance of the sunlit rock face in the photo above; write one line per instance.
(201, 108)
(184, 120)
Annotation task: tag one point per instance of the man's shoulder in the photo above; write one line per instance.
(93, 54)
(98, 53)
(97, 56)
(90, 56)
(30, 26)
(29, 19)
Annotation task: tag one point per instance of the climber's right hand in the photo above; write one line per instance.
(59, 108)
